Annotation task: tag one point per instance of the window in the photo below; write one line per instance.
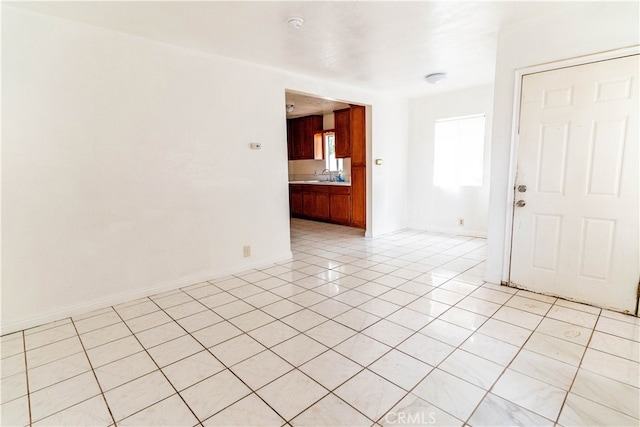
(459, 151)
(332, 163)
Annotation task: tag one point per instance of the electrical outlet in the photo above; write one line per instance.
(247, 251)
(461, 222)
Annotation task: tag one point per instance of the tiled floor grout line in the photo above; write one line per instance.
(407, 338)
(297, 368)
(453, 351)
(390, 255)
(230, 370)
(93, 371)
(573, 380)
(26, 374)
(146, 350)
(522, 347)
(506, 367)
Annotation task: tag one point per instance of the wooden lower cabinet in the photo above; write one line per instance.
(358, 197)
(340, 205)
(321, 202)
(322, 206)
(295, 200)
(308, 204)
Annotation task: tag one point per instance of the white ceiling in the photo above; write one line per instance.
(305, 105)
(386, 46)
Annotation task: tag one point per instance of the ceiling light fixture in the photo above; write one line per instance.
(295, 22)
(436, 78)
(290, 108)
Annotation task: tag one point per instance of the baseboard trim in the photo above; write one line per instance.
(108, 301)
(455, 231)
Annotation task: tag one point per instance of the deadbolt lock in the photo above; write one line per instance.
(522, 188)
(520, 203)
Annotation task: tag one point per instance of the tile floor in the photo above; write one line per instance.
(396, 330)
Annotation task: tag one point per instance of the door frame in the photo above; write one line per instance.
(515, 124)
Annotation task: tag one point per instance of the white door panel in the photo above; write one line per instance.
(577, 236)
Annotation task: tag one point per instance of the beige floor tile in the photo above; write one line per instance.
(413, 410)
(471, 368)
(59, 370)
(170, 412)
(174, 350)
(495, 411)
(578, 411)
(532, 394)
(362, 349)
(457, 397)
(331, 411)
(261, 369)
(292, 393)
(370, 394)
(215, 393)
(249, 411)
(91, 412)
(236, 349)
(193, 369)
(63, 395)
(401, 369)
(124, 370)
(113, 351)
(273, 333)
(299, 349)
(330, 369)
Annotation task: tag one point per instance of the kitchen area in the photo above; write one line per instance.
(326, 144)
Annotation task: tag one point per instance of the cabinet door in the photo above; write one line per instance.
(309, 204)
(322, 206)
(290, 152)
(358, 138)
(300, 133)
(340, 208)
(305, 129)
(296, 204)
(343, 145)
(358, 196)
(304, 141)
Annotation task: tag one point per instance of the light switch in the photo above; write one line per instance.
(256, 146)
(378, 161)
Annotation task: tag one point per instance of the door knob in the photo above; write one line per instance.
(522, 188)
(520, 203)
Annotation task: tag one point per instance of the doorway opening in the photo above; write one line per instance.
(327, 159)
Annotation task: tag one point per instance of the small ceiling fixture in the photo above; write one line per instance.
(295, 22)
(436, 78)
(290, 108)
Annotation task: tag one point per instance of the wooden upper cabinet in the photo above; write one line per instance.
(290, 153)
(343, 137)
(300, 132)
(357, 135)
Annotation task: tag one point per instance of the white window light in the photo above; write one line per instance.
(332, 163)
(459, 151)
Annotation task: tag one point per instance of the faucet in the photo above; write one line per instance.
(327, 170)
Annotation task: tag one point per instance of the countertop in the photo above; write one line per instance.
(343, 184)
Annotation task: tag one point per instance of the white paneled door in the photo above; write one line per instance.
(575, 228)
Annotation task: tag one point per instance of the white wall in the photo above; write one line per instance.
(127, 169)
(387, 211)
(583, 29)
(435, 208)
